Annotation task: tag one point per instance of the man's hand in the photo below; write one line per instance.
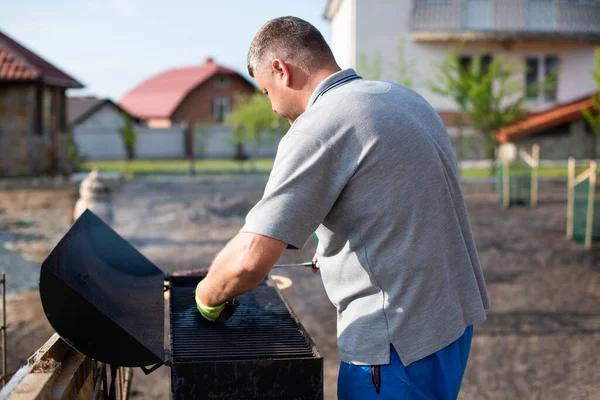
(218, 313)
(239, 267)
(316, 268)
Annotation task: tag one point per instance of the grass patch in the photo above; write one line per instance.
(546, 172)
(263, 166)
(210, 167)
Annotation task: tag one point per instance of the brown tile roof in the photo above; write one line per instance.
(80, 108)
(20, 64)
(159, 96)
(545, 120)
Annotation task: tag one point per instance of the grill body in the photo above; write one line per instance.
(106, 300)
(262, 352)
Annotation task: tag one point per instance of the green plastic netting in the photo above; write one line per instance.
(519, 183)
(580, 212)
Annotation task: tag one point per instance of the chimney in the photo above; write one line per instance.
(209, 60)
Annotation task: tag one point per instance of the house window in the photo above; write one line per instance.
(541, 78)
(221, 106)
(551, 74)
(540, 15)
(486, 60)
(532, 77)
(222, 81)
(478, 14)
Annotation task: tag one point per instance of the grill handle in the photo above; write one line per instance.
(148, 371)
(304, 264)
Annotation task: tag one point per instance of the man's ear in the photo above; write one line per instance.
(281, 71)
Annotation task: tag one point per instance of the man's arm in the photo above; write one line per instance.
(239, 267)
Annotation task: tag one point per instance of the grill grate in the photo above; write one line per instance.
(261, 328)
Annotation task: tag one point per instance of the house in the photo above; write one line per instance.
(95, 124)
(33, 125)
(561, 132)
(546, 36)
(202, 93)
(187, 96)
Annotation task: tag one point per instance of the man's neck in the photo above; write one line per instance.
(316, 79)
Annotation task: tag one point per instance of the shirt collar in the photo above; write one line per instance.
(331, 82)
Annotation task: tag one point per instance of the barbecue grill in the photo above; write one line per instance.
(107, 301)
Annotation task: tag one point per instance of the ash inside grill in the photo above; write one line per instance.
(261, 352)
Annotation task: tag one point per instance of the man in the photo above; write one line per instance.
(369, 166)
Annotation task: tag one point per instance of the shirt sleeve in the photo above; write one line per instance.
(306, 180)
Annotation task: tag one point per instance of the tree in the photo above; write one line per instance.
(366, 70)
(403, 69)
(253, 121)
(592, 115)
(488, 94)
(73, 151)
(129, 137)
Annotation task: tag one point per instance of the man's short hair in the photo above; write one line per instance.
(291, 39)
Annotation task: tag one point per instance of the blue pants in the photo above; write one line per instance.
(437, 376)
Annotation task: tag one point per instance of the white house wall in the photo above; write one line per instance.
(160, 142)
(98, 144)
(217, 142)
(98, 138)
(343, 34)
(380, 25)
(106, 117)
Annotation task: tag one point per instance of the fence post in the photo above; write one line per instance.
(570, 198)
(591, 202)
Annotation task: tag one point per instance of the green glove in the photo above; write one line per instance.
(218, 313)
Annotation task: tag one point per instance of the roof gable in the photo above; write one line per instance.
(18, 63)
(159, 96)
(80, 109)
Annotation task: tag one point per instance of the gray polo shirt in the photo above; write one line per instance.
(370, 167)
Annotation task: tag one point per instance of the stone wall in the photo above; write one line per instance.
(23, 151)
(17, 109)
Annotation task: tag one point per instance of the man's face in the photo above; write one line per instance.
(275, 85)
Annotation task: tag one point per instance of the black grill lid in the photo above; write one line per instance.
(103, 297)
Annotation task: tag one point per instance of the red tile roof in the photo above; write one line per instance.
(451, 117)
(20, 64)
(545, 120)
(159, 96)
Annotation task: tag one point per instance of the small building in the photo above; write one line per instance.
(95, 124)
(33, 124)
(561, 132)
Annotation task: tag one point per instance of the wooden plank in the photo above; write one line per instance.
(54, 349)
(87, 390)
(15, 381)
(535, 174)
(75, 371)
(35, 386)
(585, 175)
(591, 203)
(570, 198)
(506, 184)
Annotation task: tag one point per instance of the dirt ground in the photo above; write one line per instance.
(541, 339)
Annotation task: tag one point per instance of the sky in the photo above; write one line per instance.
(111, 46)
